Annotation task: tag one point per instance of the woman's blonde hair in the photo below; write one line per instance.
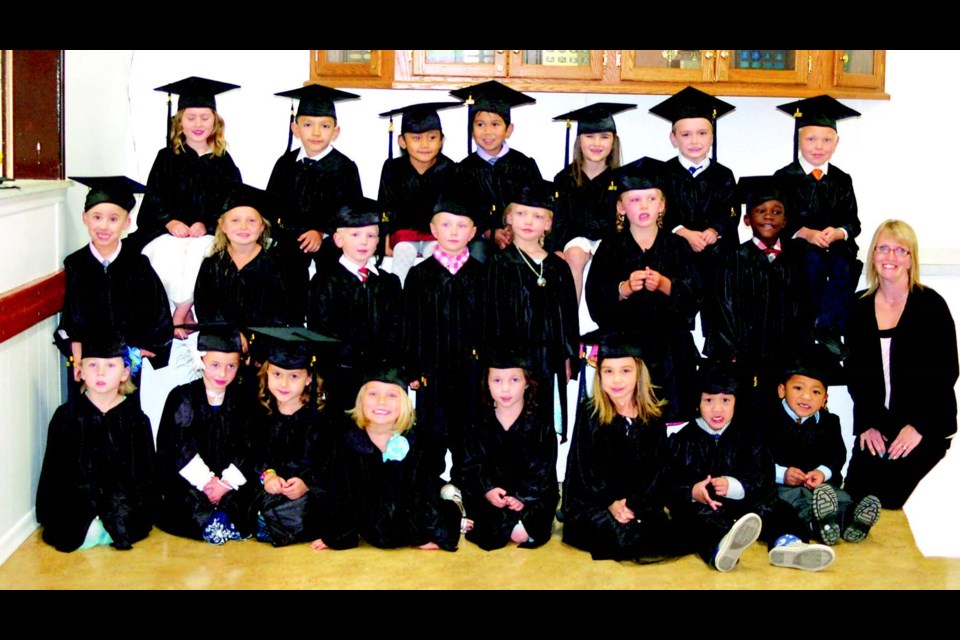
(404, 421)
(904, 234)
(221, 242)
(268, 402)
(217, 140)
(648, 406)
(614, 160)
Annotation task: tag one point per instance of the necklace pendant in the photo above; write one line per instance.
(542, 281)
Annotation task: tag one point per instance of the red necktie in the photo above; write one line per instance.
(817, 174)
(773, 250)
(363, 274)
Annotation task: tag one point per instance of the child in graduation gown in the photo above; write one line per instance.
(204, 465)
(97, 483)
(510, 469)
(387, 493)
(292, 439)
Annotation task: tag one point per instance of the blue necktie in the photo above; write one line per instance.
(693, 170)
(492, 161)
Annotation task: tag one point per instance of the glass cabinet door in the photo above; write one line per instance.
(861, 68)
(460, 62)
(778, 66)
(668, 65)
(556, 63)
(371, 67)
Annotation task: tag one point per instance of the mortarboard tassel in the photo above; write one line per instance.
(566, 146)
(796, 135)
(169, 127)
(390, 140)
(293, 118)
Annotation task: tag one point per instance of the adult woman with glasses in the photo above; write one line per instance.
(901, 372)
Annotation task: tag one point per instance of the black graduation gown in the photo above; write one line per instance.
(923, 372)
(661, 324)
(588, 210)
(805, 446)
(302, 446)
(390, 504)
(408, 197)
(126, 297)
(706, 201)
(621, 460)
(493, 185)
(759, 309)
(829, 202)
(312, 194)
(186, 187)
(522, 460)
(739, 453)
(543, 321)
(254, 296)
(97, 464)
(221, 436)
(442, 334)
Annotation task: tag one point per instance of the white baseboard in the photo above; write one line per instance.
(14, 537)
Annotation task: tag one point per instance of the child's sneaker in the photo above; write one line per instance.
(791, 553)
(742, 534)
(865, 515)
(825, 505)
(452, 493)
(263, 532)
(216, 530)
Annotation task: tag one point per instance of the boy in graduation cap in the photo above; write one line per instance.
(495, 171)
(758, 296)
(355, 302)
(701, 206)
(314, 181)
(823, 212)
(411, 184)
(109, 286)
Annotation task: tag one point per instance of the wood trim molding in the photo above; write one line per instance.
(30, 304)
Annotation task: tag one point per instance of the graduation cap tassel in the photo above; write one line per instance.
(714, 123)
(390, 140)
(796, 135)
(293, 118)
(566, 147)
(169, 128)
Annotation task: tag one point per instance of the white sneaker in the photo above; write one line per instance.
(742, 534)
(800, 555)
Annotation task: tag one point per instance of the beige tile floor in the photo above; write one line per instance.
(887, 560)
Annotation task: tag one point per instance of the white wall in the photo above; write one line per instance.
(115, 124)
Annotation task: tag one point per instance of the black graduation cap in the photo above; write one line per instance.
(643, 173)
(315, 100)
(693, 103)
(508, 356)
(391, 374)
(240, 194)
(617, 345)
(361, 212)
(716, 377)
(417, 118)
(755, 190)
(595, 118)
(218, 337)
(819, 111)
(288, 347)
(536, 193)
(457, 200)
(817, 363)
(194, 92)
(489, 96)
(105, 344)
(117, 190)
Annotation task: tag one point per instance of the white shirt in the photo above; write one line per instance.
(486, 156)
(350, 266)
(108, 259)
(320, 156)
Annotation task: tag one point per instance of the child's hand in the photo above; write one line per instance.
(874, 441)
(414, 384)
(636, 280)
(513, 504)
(310, 241)
(294, 488)
(694, 238)
(831, 235)
(907, 440)
(621, 512)
(656, 281)
(215, 489)
(710, 236)
(197, 230)
(146, 353)
(814, 479)
(794, 477)
(813, 236)
(178, 229)
(503, 237)
(701, 495)
(318, 545)
(77, 372)
(496, 497)
(273, 484)
(721, 485)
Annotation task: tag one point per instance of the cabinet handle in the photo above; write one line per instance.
(845, 58)
(809, 64)
(516, 51)
(724, 54)
(708, 55)
(604, 60)
(499, 50)
(618, 58)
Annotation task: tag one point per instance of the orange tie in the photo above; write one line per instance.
(817, 174)
(363, 274)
